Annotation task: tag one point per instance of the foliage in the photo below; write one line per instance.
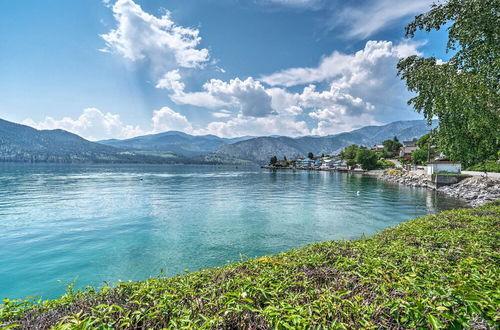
(383, 163)
(439, 271)
(310, 155)
(420, 156)
(462, 93)
(391, 147)
(486, 166)
(349, 153)
(394, 172)
(366, 158)
(273, 160)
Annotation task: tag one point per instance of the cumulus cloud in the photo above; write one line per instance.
(166, 119)
(330, 123)
(249, 96)
(271, 125)
(339, 65)
(140, 35)
(92, 124)
(364, 84)
(172, 82)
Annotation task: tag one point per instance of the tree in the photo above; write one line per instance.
(284, 158)
(420, 156)
(310, 155)
(274, 160)
(349, 152)
(463, 92)
(366, 158)
(391, 147)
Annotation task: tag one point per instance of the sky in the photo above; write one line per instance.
(123, 68)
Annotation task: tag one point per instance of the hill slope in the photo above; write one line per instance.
(20, 143)
(261, 149)
(174, 142)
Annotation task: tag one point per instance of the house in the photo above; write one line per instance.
(378, 148)
(443, 166)
(408, 148)
(327, 163)
(412, 143)
(304, 162)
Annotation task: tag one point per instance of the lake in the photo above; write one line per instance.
(97, 224)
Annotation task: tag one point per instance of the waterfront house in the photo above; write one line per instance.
(304, 163)
(408, 148)
(327, 163)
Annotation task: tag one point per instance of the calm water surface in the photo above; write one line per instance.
(97, 224)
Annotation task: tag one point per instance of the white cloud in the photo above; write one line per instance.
(166, 119)
(330, 123)
(271, 125)
(362, 84)
(362, 21)
(222, 114)
(172, 81)
(339, 65)
(92, 124)
(249, 96)
(140, 35)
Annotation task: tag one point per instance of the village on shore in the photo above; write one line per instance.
(415, 163)
(407, 156)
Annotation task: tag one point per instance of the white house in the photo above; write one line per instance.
(327, 163)
(443, 166)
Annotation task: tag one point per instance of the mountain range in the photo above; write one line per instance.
(21, 143)
(25, 144)
(261, 149)
(175, 142)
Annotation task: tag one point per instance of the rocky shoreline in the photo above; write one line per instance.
(475, 191)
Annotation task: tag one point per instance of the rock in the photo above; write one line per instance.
(475, 190)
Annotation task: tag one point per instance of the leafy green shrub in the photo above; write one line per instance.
(486, 166)
(383, 163)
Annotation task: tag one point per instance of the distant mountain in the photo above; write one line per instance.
(20, 143)
(174, 142)
(261, 149)
(25, 144)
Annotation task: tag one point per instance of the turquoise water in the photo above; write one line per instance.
(97, 224)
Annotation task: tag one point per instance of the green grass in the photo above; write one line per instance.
(439, 271)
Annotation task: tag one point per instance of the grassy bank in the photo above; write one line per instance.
(437, 271)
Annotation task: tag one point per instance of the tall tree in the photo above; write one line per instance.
(366, 158)
(462, 93)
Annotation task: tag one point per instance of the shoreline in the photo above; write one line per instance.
(473, 190)
(328, 284)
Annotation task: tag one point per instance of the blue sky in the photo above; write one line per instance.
(117, 69)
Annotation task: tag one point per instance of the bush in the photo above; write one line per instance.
(382, 163)
(487, 166)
